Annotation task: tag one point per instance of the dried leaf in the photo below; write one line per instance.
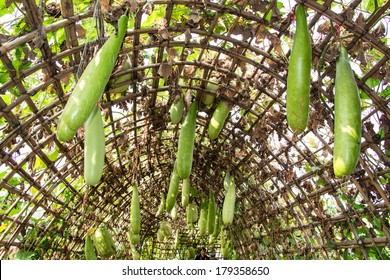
(163, 29)
(165, 70)
(188, 36)
(386, 80)
(362, 57)
(369, 126)
(272, 64)
(53, 9)
(239, 2)
(9, 2)
(133, 6)
(258, 6)
(188, 98)
(385, 124)
(380, 31)
(236, 29)
(164, 34)
(275, 17)
(276, 44)
(349, 14)
(246, 34)
(80, 31)
(324, 28)
(163, 24)
(360, 21)
(189, 71)
(262, 34)
(172, 54)
(148, 8)
(104, 5)
(65, 79)
(194, 17)
(289, 175)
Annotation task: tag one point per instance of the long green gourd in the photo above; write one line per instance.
(92, 83)
(229, 203)
(217, 223)
(172, 191)
(211, 213)
(103, 242)
(176, 110)
(347, 119)
(89, 249)
(135, 212)
(186, 143)
(94, 148)
(202, 222)
(298, 78)
(185, 192)
(218, 119)
(64, 133)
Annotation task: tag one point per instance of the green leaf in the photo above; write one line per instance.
(16, 65)
(4, 77)
(3, 174)
(4, 11)
(53, 155)
(269, 15)
(26, 65)
(151, 20)
(3, 226)
(373, 83)
(369, 5)
(39, 164)
(376, 223)
(358, 206)
(14, 212)
(320, 182)
(14, 181)
(346, 255)
(23, 255)
(385, 93)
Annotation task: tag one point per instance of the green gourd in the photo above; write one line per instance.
(103, 242)
(229, 203)
(176, 111)
(94, 148)
(211, 213)
(218, 119)
(93, 81)
(166, 228)
(347, 120)
(135, 212)
(173, 190)
(185, 192)
(202, 222)
(89, 249)
(186, 142)
(298, 77)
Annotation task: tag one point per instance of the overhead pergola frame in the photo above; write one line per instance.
(289, 204)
